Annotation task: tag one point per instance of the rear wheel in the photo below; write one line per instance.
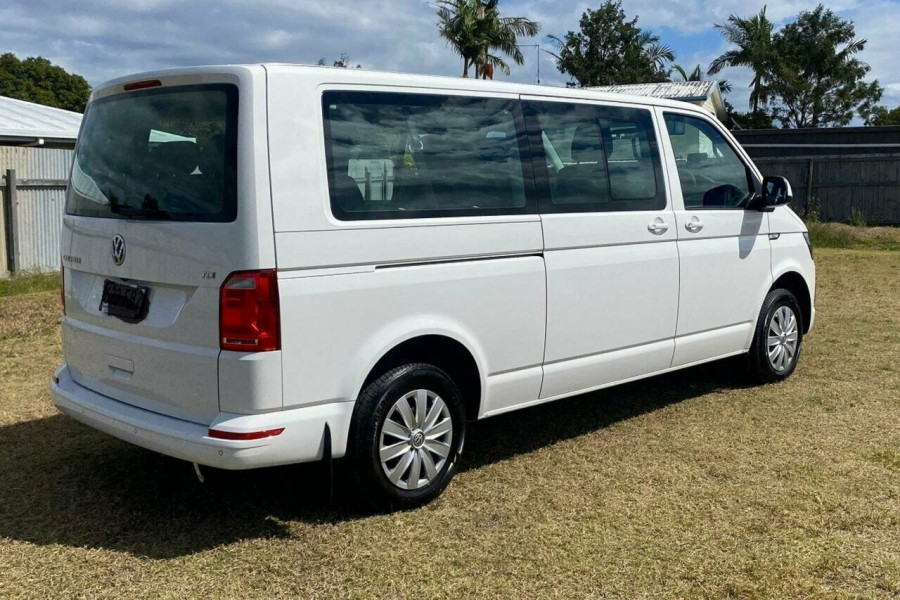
(407, 433)
(778, 338)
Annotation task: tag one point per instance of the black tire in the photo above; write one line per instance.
(372, 410)
(761, 369)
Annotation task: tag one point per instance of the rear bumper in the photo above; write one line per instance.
(301, 441)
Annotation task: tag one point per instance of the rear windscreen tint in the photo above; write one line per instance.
(163, 154)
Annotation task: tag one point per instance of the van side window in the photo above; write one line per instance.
(597, 158)
(396, 156)
(711, 173)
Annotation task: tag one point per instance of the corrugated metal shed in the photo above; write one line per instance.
(40, 200)
(24, 123)
(702, 93)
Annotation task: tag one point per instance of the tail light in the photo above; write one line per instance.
(62, 288)
(249, 319)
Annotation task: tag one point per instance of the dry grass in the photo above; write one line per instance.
(688, 485)
(841, 235)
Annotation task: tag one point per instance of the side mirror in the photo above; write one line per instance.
(776, 191)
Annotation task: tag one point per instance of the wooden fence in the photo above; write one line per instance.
(834, 171)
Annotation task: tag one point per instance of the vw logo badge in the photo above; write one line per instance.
(118, 249)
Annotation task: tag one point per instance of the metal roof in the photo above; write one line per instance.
(686, 91)
(22, 121)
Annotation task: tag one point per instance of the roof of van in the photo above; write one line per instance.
(408, 80)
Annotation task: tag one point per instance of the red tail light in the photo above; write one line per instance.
(62, 287)
(249, 319)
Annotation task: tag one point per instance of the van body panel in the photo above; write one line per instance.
(382, 246)
(494, 307)
(173, 352)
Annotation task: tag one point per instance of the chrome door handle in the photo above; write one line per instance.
(694, 225)
(658, 227)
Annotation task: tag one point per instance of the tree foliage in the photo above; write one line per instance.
(38, 80)
(816, 79)
(343, 62)
(807, 74)
(753, 40)
(608, 49)
(480, 35)
(880, 116)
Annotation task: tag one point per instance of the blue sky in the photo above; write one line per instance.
(102, 39)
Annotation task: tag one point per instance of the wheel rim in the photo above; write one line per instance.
(783, 339)
(415, 439)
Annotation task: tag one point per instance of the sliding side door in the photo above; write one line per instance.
(610, 243)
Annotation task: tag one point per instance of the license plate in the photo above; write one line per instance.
(125, 301)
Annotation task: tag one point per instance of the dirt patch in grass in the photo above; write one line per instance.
(687, 485)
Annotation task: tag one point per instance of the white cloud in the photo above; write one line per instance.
(102, 39)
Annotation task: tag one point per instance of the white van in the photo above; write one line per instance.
(274, 264)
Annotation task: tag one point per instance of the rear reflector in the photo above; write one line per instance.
(252, 435)
(62, 288)
(249, 319)
(142, 85)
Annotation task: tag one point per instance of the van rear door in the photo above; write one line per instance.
(157, 215)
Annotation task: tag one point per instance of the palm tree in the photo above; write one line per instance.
(477, 32)
(655, 53)
(753, 38)
(695, 75)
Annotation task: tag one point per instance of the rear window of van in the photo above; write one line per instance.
(159, 154)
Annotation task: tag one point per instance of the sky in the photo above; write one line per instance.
(103, 39)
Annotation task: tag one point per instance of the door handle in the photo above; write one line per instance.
(694, 225)
(658, 226)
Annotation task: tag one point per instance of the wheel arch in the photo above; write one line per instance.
(445, 352)
(795, 283)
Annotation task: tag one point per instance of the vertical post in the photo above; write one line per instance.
(809, 185)
(10, 205)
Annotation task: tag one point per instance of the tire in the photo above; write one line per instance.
(778, 339)
(412, 440)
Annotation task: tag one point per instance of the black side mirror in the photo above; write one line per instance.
(776, 191)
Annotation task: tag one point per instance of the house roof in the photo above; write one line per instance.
(705, 92)
(686, 91)
(22, 121)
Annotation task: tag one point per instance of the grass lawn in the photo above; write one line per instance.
(687, 485)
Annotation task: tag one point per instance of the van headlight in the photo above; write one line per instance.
(808, 243)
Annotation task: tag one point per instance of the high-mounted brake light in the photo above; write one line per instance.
(142, 85)
(250, 435)
(249, 319)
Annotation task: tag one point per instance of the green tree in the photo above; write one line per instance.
(696, 75)
(343, 62)
(38, 80)
(881, 116)
(753, 38)
(480, 35)
(816, 79)
(611, 50)
(759, 119)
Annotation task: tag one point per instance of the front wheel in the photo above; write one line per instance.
(778, 338)
(407, 433)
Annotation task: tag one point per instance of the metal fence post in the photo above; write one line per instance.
(10, 205)
(809, 185)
